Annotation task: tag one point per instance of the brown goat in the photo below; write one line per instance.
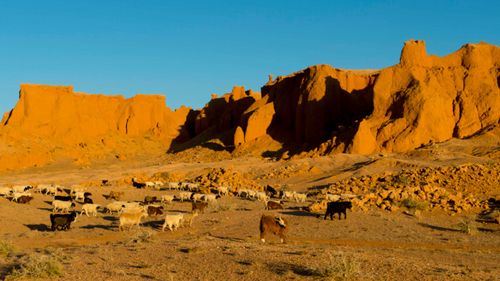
(275, 225)
(273, 205)
(198, 207)
(24, 199)
(155, 210)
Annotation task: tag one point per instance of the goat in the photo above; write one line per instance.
(198, 207)
(274, 225)
(62, 206)
(332, 197)
(210, 198)
(131, 219)
(173, 185)
(273, 205)
(137, 184)
(21, 188)
(115, 206)
(300, 197)
(62, 221)
(172, 222)
(184, 196)
(16, 195)
(63, 198)
(114, 195)
(187, 219)
(155, 210)
(5, 191)
(24, 199)
(288, 195)
(150, 199)
(223, 190)
(270, 191)
(337, 208)
(167, 198)
(90, 209)
(195, 197)
(261, 196)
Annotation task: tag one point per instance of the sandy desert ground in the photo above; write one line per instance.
(223, 243)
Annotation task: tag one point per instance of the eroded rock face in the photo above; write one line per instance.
(58, 112)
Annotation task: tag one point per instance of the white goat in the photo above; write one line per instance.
(90, 209)
(261, 196)
(167, 198)
(62, 206)
(300, 197)
(172, 221)
(184, 195)
(197, 197)
(5, 191)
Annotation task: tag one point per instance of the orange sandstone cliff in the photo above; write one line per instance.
(321, 109)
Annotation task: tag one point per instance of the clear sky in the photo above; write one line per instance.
(187, 50)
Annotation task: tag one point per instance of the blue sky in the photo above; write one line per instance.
(187, 50)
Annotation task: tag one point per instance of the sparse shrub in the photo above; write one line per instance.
(413, 205)
(141, 236)
(467, 226)
(341, 267)
(6, 248)
(221, 207)
(37, 266)
(402, 179)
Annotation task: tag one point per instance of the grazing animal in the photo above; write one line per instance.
(210, 198)
(337, 208)
(115, 206)
(332, 197)
(24, 199)
(288, 195)
(274, 225)
(184, 195)
(261, 196)
(187, 219)
(105, 183)
(150, 199)
(198, 207)
(172, 222)
(300, 197)
(88, 200)
(90, 209)
(195, 197)
(273, 205)
(5, 191)
(114, 195)
(173, 185)
(137, 184)
(16, 195)
(62, 206)
(223, 190)
(63, 198)
(131, 219)
(167, 198)
(155, 210)
(270, 191)
(62, 221)
(21, 188)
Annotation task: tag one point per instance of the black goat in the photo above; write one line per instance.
(62, 221)
(337, 208)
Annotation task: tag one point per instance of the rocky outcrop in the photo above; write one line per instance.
(58, 112)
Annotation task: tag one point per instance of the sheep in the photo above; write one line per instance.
(211, 198)
(24, 199)
(116, 206)
(16, 195)
(63, 206)
(150, 199)
(173, 185)
(273, 205)
(184, 196)
(155, 210)
(21, 188)
(288, 195)
(198, 207)
(114, 195)
(195, 197)
(332, 197)
(300, 197)
(62, 221)
(223, 190)
(187, 219)
(261, 196)
(167, 198)
(275, 225)
(5, 191)
(172, 221)
(90, 209)
(337, 208)
(131, 219)
(137, 184)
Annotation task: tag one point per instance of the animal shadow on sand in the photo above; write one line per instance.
(299, 213)
(38, 227)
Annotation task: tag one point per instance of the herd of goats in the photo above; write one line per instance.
(131, 213)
